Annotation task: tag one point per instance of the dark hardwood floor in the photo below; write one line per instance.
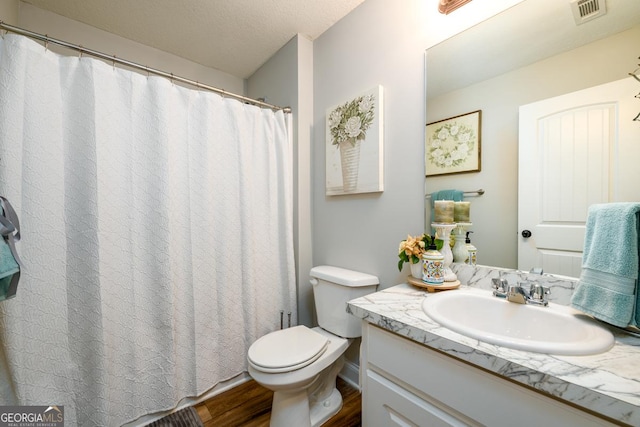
(249, 404)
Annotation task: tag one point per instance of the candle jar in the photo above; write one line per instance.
(461, 211)
(443, 211)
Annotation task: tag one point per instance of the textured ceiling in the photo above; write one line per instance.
(234, 36)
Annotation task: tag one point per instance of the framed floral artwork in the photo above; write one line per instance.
(453, 145)
(354, 145)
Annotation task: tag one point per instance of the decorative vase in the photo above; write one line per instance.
(443, 231)
(433, 270)
(416, 269)
(460, 252)
(350, 160)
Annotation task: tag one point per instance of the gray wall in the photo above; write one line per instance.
(376, 44)
(9, 11)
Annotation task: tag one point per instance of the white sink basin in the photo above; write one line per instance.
(555, 329)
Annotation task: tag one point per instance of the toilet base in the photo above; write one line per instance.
(322, 411)
(289, 409)
(324, 398)
(311, 405)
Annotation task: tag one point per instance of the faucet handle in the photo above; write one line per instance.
(500, 284)
(500, 287)
(538, 294)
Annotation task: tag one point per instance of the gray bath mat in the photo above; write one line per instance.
(187, 417)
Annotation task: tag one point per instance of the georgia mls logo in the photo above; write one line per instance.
(57, 413)
(32, 416)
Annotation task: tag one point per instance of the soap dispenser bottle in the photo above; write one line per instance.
(471, 250)
(433, 265)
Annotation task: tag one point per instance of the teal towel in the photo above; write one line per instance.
(8, 267)
(608, 286)
(9, 259)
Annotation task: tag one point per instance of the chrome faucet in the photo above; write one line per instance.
(517, 294)
(537, 293)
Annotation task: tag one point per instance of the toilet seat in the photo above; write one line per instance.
(287, 349)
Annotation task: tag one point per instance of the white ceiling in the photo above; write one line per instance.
(234, 36)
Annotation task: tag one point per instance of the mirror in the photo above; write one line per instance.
(530, 52)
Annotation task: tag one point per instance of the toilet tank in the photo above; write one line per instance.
(333, 287)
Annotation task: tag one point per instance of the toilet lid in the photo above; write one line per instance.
(287, 349)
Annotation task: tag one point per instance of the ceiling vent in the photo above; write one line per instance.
(586, 10)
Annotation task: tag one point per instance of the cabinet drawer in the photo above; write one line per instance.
(391, 405)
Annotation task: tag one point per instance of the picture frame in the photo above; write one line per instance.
(453, 145)
(354, 145)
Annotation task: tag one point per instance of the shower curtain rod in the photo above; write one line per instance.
(112, 58)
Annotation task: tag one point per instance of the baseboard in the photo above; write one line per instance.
(350, 373)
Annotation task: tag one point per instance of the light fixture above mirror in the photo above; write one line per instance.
(448, 6)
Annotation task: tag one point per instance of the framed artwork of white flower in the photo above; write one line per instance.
(453, 145)
(354, 147)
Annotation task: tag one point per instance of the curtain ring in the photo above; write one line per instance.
(46, 42)
(80, 52)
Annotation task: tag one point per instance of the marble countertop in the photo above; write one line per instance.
(607, 383)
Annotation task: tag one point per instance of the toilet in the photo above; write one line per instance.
(300, 364)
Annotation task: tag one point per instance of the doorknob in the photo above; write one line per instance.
(526, 234)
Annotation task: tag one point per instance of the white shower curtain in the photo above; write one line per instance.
(156, 235)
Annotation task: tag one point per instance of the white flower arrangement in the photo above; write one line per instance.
(351, 120)
(451, 145)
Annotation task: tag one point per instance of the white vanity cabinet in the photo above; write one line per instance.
(405, 383)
